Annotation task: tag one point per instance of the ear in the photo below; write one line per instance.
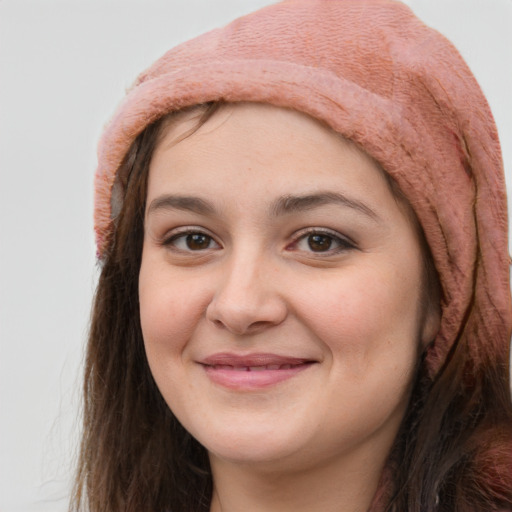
(430, 325)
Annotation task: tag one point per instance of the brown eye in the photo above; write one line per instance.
(198, 241)
(320, 243)
(192, 241)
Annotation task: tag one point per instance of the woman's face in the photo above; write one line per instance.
(280, 290)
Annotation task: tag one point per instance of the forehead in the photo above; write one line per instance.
(246, 145)
(206, 118)
(251, 135)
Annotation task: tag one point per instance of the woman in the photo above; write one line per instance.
(304, 299)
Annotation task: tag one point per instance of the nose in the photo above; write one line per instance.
(248, 299)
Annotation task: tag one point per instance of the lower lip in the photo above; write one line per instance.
(250, 380)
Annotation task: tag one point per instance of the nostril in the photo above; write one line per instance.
(218, 323)
(252, 328)
(254, 310)
(258, 325)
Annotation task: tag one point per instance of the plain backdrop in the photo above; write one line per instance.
(64, 65)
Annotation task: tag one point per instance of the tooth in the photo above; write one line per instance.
(257, 368)
(273, 367)
(285, 366)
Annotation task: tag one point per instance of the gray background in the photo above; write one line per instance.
(64, 65)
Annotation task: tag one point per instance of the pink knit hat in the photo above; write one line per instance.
(377, 75)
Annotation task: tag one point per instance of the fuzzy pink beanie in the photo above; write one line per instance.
(378, 76)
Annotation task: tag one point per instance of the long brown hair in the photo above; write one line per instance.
(452, 452)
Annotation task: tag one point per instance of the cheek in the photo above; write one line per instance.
(367, 316)
(170, 309)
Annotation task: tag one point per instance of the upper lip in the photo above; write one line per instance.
(256, 359)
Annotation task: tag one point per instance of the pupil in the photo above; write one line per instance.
(319, 243)
(196, 241)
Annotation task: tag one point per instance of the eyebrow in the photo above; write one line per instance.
(290, 204)
(186, 203)
(282, 206)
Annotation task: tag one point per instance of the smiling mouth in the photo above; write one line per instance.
(258, 368)
(255, 371)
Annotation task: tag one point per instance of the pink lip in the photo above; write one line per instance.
(252, 371)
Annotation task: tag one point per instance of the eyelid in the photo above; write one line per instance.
(172, 235)
(346, 243)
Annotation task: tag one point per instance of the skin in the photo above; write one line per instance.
(335, 280)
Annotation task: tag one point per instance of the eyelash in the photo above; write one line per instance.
(183, 236)
(327, 236)
(343, 243)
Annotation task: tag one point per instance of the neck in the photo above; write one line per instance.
(333, 486)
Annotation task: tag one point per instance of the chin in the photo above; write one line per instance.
(259, 446)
